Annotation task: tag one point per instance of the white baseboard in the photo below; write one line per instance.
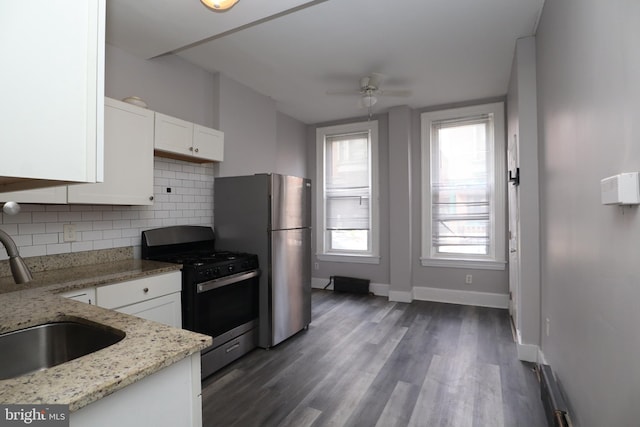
(541, 358)
(527, 352)
(453, 296)
(399, 296)
(379, 289)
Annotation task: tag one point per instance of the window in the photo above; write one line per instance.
(463, 190)
(347, 197)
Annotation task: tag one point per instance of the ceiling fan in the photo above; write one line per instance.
(370, 91)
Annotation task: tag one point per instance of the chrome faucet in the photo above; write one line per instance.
(19, 269)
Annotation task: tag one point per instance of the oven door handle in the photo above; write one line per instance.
(224, 281)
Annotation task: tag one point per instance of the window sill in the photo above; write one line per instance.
(361, 259)
(463, 263)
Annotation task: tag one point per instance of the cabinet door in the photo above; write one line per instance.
(54, 195)
(52, 80)
(128, 171)
(165, 309)
(173, 135)
(208, 144)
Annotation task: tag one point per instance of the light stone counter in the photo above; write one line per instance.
(147, 347)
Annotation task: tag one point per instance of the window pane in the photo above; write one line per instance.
(348, 191)
(461, 192)
(349, 240)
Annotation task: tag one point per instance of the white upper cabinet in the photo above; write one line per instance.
(52, 86)
(128, 162)
(184, 140)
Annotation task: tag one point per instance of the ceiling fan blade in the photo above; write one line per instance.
(402, 93)
(375, 79)
(343, 92)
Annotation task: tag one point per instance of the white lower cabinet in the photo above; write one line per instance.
(154, 298)
(87, 295)
(169, 398)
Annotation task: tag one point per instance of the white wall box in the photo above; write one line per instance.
(154, 298)
(52, 99)
(128, 164)
(179, 139)
(621, 189)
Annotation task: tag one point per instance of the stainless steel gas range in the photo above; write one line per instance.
(219, 290)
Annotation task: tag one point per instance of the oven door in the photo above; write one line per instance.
(225, 304)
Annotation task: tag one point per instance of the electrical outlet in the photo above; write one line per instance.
(316, 266)
(469, 279)
(547, 323)
(69, 233)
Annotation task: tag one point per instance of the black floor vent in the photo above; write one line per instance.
(554, 405)
(350, 284)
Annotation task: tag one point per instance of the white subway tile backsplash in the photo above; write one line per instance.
(31, 228)
(38, 229)
(81, 246)
(54, 227)
(28, 251)
(69, 216)
(45, 239)
(37, 217)
(59, 248)
(91, 215)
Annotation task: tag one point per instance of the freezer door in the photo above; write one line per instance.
(290, 283)
(290, 202)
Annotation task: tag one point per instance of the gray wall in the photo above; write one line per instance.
(376, 273)
(258, 138)
(588, 68)
(249, 122)
(400, 223)
(291, 155)
(168, 84)
(492, 281)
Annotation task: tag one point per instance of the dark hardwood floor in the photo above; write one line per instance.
(365, 361)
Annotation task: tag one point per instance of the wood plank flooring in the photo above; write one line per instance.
(365, 361)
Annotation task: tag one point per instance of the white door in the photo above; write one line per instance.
(514, 230)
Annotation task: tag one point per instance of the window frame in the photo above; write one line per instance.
(496, 259)
(322, 252)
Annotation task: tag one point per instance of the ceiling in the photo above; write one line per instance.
(294, 51)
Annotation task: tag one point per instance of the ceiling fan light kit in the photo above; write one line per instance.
(219, 5)
(369, 100)
(370, 91)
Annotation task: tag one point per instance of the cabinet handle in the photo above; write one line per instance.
(145, 290)
(190, 148)
(197, 150)
(150, 197)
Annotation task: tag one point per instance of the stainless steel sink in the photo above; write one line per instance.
(43, 346)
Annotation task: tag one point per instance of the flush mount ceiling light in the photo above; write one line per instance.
(219, 5)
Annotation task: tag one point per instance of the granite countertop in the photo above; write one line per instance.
(147, 347)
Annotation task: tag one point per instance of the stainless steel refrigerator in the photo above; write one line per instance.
(270, 215)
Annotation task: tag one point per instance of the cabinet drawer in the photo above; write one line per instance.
(133, 291)
(166, 310)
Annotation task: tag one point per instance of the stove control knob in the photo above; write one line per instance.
(230, 268)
